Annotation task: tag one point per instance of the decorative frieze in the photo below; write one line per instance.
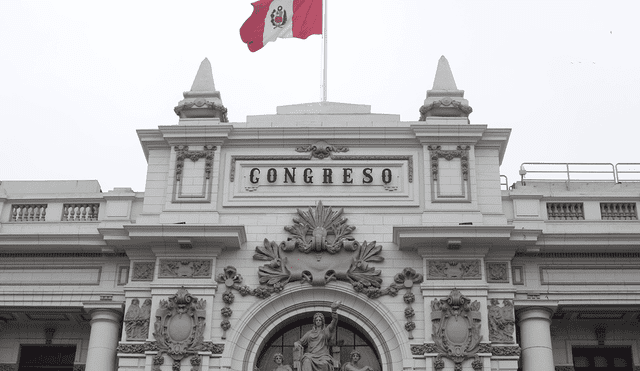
(185, 269)
(207, 346)
(143, 271)
(454, 270)
(501, 321)
(497, 272)
(506, 351)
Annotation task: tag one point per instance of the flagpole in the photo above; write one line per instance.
(324, 38)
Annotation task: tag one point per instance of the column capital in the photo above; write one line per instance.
(104, 311)
(542, 309)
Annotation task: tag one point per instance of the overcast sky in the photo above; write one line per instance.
(77, 78)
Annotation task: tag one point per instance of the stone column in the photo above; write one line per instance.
(106, 321)
(535, 338)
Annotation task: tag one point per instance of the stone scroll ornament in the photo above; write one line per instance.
(320, 250)
(179, 329)
(456, 330)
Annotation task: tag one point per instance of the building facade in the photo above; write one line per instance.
(403, 235)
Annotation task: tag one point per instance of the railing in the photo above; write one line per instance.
(80, 212)
(590, 171)
(618, 211)
(565, 210)
(28, 212)
(504, 182)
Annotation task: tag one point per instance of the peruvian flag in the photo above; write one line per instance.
(281, 18)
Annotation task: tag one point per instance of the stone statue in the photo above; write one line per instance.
(137, 320)
(317, 356)
(353, 365)
(278, 358)
(130, 319)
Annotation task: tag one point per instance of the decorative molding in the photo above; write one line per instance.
(136, 320)
(79, 367)
(453, 340)
(454, 270)
(183, 153)
(8, 367)
(143, 271)
(497, 272)
(462, 108)
(321, 149)
(61, 255)
(507, 351)
(629, 274)
(47, 274)
(203, 103)
(580, 255)
(185, 269)
(501, 321)
(436, 153)
(207, 346)
(408, 158)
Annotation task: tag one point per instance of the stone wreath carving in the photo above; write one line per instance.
(501, 322)
(456, 330)
(320, 251)
(179, 328)
(321, 149)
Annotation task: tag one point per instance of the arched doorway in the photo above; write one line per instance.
(349, 336)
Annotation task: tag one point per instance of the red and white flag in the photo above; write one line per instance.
(281, 18)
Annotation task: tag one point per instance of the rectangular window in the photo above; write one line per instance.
(600, 358)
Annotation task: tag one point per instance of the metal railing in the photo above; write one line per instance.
(580, 172)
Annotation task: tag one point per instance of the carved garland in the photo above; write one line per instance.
(182, 153)
(315, 232)
(199, 103)
(321, 149)
(462, 152)
(207, 346)
(447, 102)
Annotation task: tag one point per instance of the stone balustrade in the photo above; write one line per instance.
(28, 212)
(565, 210)
(80, 212)
(618, 211)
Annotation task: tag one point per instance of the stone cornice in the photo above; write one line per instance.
(229, 236)
(409, 238)
(456, 134)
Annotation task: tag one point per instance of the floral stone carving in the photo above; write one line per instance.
(320, 229)
(456, 329)
(321, 149)
(501, 322)
(185, 268)
(179, 327)
(454, 269)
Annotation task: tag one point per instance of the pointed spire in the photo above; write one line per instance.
(444, 77)
(445, 99)
(203, 100)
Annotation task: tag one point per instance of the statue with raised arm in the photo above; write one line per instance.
(353, 364)
(317, 356)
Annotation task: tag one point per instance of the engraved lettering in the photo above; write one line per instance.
(252, 178)
(327, 176)
(290, 175)
(368, 179)
(346, 175)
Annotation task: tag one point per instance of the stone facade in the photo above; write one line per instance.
(245, 230)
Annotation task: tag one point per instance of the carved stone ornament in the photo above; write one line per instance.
(179, 326)
(456, 327)
(506, 351)
(320, 229)
(501, 322)
(183, 153)
(454, 269)
(462, 152)
(462, 109)
(497, 272)
(136, 320)
(207, 346)
(185, 268)
(143, 271)
(321, 149)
